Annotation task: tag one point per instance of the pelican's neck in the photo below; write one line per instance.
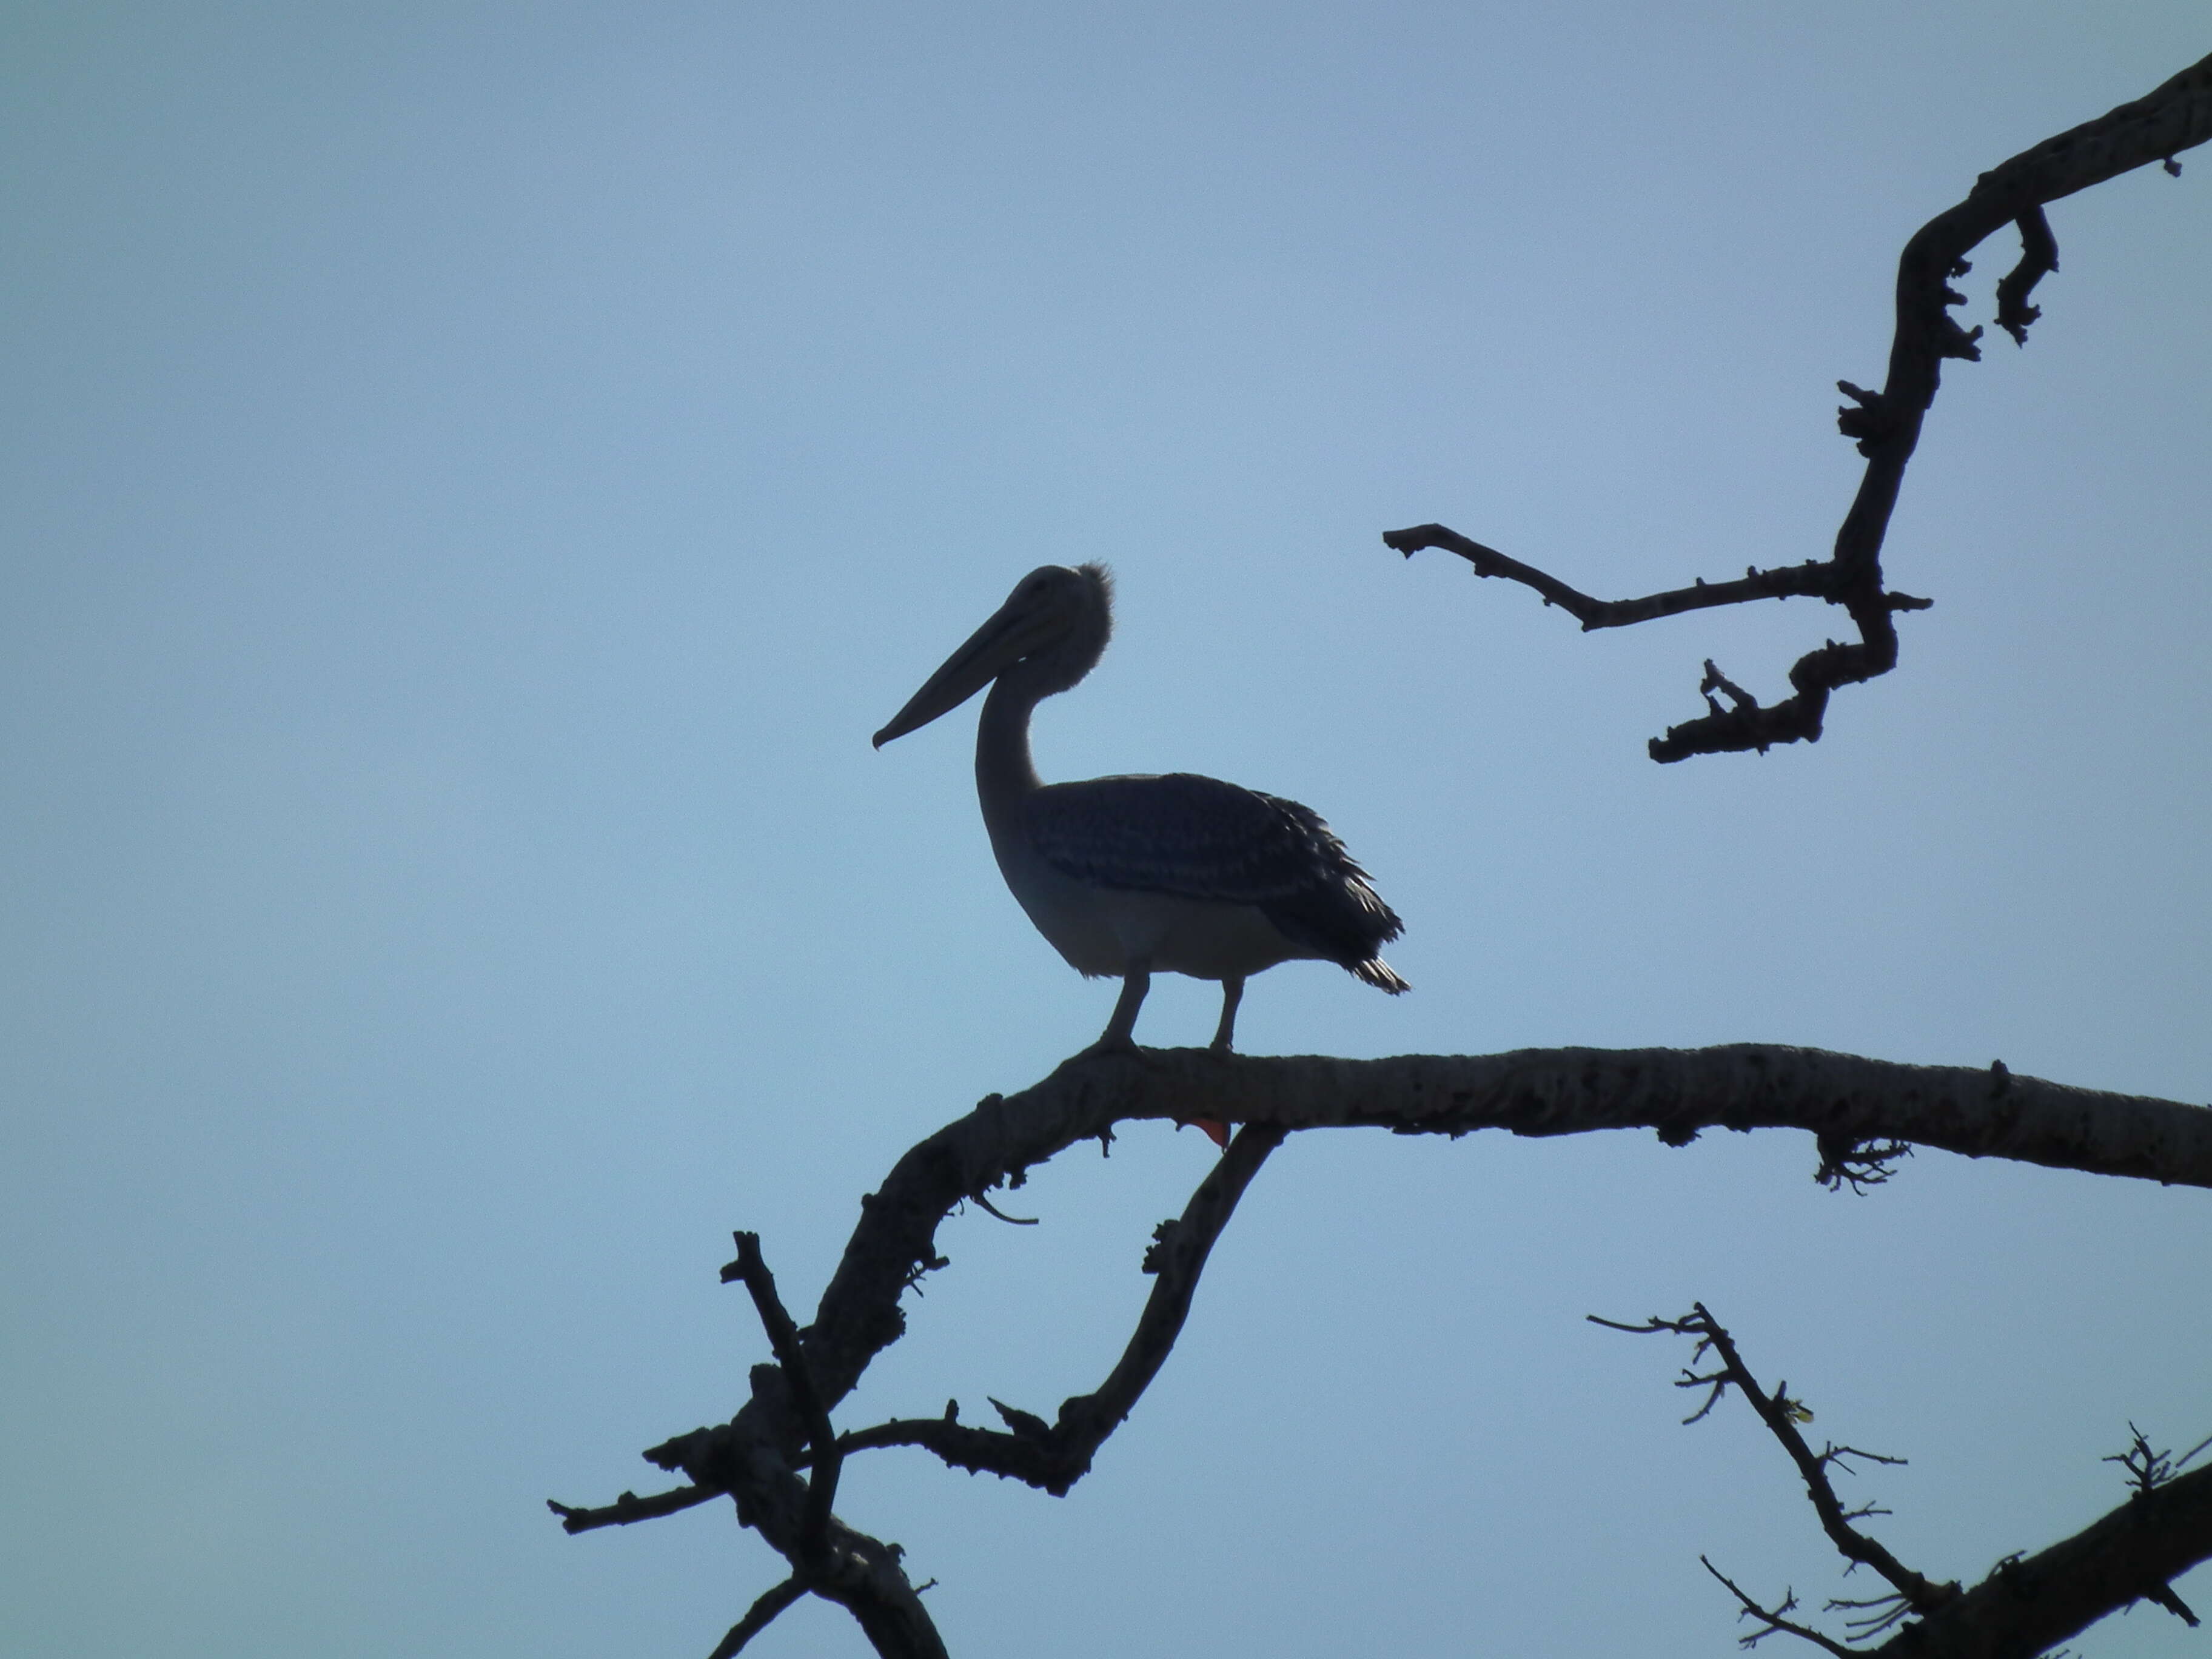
(1004, 775)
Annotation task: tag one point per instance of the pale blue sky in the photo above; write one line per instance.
(473, 477)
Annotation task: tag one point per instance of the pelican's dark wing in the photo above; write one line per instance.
(1201, 838)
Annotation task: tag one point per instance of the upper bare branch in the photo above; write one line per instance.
(1885, 423)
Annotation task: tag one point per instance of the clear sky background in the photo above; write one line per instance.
(472, 479)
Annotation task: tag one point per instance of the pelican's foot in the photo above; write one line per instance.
(1114, 1048)
(1216, 1131)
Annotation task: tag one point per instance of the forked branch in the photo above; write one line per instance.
(1885, 423)
(1054, 1456)
(1773, 1621)
(825, 1461)
(1782, 1415)
(2025, 1607)
(1853, 1107)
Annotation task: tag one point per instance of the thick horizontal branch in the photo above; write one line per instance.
(1844, 1099)
(1847, 1102)
(1885, 423)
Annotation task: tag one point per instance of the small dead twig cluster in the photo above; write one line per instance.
(2147, 1470)
(1856, 1164)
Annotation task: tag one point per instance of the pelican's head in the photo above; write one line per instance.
(1051, 631)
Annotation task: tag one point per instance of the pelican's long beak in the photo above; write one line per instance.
(1019, 626)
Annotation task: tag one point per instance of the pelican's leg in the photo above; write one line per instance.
(1232, 992)
(1134, 983)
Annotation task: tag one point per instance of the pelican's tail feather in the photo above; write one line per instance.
(1379, 974)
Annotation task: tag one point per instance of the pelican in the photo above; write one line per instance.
(1127, 876)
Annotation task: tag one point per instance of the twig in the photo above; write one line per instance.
(758, 1618)
(2038, 258)
(630, 1507)
(1772, 1618)
(2149, 1470)
(1814, 579)
(1879, 1614)
(1857, 1164)
(2164, 1596)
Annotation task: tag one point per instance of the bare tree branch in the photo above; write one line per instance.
(1885, 424)
(780, 1458)
(1772, 1618)
(1055, 1456)
(2149, 1470)
(630, 1507)
(758, 1618)
(1815, 579)
(1781, 1414)
(2024, 1608)
(1844, 1101)
(2027, 1606)
(1888, 1611)
(828, 1558)
(1052, 1456)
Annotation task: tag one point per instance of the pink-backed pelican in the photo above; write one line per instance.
(1130, 876)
